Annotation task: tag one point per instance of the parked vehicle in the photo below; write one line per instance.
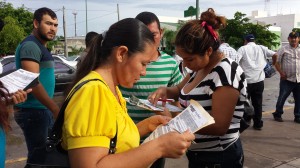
(64, 73)
(63, 59)
(73, 58)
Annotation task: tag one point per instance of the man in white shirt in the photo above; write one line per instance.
(253, 60)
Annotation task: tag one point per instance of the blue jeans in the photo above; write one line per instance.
(35, 124)
(232, 157)
(286, 88)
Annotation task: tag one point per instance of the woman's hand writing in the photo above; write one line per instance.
(160, 93)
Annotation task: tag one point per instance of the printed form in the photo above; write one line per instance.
(19, 79)
(193, 118)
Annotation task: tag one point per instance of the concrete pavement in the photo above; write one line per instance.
(277, 145)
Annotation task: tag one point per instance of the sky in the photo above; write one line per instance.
(102, 13)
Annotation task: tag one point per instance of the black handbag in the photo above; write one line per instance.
(269, 70)
(52, 155)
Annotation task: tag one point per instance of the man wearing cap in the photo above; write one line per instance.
(288, 66)
(253, 60)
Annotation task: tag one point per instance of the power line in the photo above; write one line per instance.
(89, 19)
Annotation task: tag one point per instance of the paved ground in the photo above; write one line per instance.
(276, 146)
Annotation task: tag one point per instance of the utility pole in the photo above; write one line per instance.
(197, 9)
(86, 24)
(65, 33)
(118, 12)
(75, 13)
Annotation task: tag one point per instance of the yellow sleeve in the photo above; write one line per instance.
(90, 120)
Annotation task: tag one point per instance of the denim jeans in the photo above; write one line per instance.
(255, 92)
(286, 88)
(232, 157)
(35, 124)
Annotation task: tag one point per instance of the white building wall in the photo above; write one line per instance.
(285, 22)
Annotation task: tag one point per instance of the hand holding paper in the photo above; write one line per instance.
(19, 79)
(193, 118)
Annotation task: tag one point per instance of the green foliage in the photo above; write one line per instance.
(21, 15)
(18, 24)
(10, 36)
(75, 51)
(239, 26)
(169, 37)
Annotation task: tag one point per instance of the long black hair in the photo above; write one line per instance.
(4, 112)
(128, 32)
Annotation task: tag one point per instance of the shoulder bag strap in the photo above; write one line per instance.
(56, 132)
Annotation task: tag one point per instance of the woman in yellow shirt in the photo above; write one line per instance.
(98, 111)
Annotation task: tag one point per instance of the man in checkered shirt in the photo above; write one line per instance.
(228, 51)
(288, 66)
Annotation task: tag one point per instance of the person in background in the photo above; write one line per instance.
(218, 84)
(90, 36)
(229, 51)
(288, 66)
(97, 112)
(6, 102)
(35, 115)
(253, 61)
(162, 71)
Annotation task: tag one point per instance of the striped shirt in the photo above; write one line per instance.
(289, 60)
(225, 73)
(163, 72)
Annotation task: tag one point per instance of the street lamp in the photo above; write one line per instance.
(75, 13)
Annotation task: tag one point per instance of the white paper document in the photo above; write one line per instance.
(143, 103)
(19, 79)
(193, 118)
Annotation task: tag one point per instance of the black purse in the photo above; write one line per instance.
(52, 155)
(269, 70)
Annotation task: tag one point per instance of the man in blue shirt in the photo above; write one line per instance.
(35, 116)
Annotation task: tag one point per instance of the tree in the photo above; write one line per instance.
(10, 36)
(18, 24)
(75, 50)
(21, 15)
(239, 26)
(169, 40)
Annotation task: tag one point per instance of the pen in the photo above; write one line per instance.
(166, 100)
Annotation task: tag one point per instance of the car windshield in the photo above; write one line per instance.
(72, 58)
